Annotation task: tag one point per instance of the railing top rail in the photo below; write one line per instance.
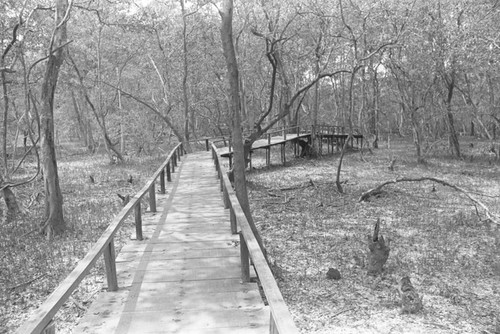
(282, 129)
(42, 316)
(282, 318)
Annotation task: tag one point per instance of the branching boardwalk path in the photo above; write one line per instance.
(185, 276)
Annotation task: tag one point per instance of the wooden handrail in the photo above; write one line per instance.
(43, 316)
(281, 321)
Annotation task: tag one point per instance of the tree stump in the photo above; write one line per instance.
(411, 302)
(379, 251)
(305, 148)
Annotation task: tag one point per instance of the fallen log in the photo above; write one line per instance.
(366, 195)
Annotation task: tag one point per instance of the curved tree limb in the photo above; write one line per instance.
(366, 195)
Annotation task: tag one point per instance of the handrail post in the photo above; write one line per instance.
(110, 262)
(138, 221)
(221, 180)
(226, 198)
(272, 325)
(162, 182)
(283, 154)
(50, 328)
(169, 175)
(232, 219)
(206, 144)
(174, 160)
(245, 261)
(152, 198)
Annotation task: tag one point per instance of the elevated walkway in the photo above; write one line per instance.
(185, 276)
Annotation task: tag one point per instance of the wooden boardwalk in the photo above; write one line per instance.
(267, 143)
(185, 276)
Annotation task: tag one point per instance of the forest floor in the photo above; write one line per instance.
(451, 253)
(32, 266)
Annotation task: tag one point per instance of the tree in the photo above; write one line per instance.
(359, 57)
(54, 220)
(8, 194)
(185, 74)
(226, 31)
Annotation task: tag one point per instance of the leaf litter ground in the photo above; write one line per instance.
(451, 254)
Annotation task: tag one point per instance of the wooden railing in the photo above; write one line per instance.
(281, 321)
(267, 135)
(283, 132)
(41, 321)
(328, 129)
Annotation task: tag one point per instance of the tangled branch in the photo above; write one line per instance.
(366, 195)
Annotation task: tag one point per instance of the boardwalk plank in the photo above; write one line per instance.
(225, 321)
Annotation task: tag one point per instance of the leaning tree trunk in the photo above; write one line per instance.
(54, 223)
(185, 69)
(226, 14)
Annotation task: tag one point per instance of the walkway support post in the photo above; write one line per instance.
(169, 175)
(226, 198)
(50, 329)
(110, 262)
(232, 217)
(162, 182)
(138, 221)
(245, 260)
(152, 198)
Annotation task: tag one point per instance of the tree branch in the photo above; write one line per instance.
(366, 195)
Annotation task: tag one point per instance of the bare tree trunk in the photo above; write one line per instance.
(349, 123)
(8, 195)
(452, 133)
(120, 108)
(5, 114)
(375, 104)
(54, 223)
(185, 76)
(315, 109)
(226, 14)
(417, 134)
(79, 118)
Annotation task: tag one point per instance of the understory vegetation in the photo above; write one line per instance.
(451, 253)
(31, 266)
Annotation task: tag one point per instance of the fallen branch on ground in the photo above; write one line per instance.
(27, 282)
(300, 186)
(366, 195)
